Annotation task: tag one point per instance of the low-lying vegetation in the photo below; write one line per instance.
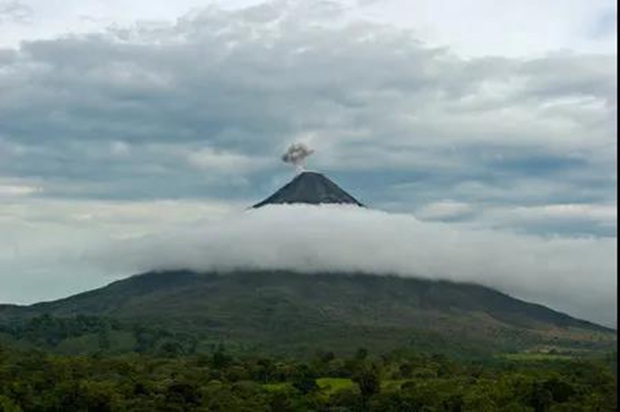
(399, 381)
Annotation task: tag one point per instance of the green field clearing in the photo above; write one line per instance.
(331, 385)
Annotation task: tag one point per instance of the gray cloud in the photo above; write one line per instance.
(241, 85)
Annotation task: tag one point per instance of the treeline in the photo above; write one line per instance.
(86, 335)
(219, 381)
(94, 334)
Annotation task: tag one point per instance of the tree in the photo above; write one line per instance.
(540, 398)
(7, 405)
(368, 381)
(305, 380)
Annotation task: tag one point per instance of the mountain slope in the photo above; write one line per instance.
(310, 188)
(283, 311)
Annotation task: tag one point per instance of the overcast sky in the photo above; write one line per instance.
(122, 118)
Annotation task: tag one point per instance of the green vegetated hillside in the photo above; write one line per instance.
(296, 314)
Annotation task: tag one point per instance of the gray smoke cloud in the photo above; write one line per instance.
(296, 155)
(574, 275)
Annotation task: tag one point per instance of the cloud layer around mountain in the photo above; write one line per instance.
(573, 275)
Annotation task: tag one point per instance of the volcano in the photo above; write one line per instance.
(288, 312)
(310, 188)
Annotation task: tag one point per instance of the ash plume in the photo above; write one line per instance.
(296, 154)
